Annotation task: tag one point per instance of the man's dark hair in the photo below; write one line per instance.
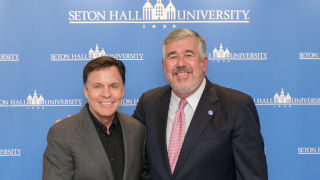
(103, 62)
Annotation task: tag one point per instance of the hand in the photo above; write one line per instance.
(58, 120)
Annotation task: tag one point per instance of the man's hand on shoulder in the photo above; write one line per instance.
(58, 120)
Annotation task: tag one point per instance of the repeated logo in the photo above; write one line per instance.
(94, 53)
(9, 57)
(159, 13)
(309, 56)
(10, 152)
(129, 102)
(308, 150)
(39, 102)
(286, 100)
(225, 55)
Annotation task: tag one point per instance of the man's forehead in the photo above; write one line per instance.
(105, 75)
(102, 81)
(110, 69)
(187, 43)
(184, 51)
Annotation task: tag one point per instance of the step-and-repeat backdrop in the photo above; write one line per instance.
(268, 49)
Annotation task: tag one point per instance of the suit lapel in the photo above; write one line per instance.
(90, 136)
(126, 134)
(161, 126)
(202, 116)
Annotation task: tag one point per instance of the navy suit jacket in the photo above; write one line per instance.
(223, 141)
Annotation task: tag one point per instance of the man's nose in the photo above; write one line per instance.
(181, 61)
(106, 92)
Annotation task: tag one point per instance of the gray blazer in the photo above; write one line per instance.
(75, 151)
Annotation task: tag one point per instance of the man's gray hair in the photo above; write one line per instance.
(179, 34)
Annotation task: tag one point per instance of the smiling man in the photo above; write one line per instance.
(98, 142)
(196, 129)
(182, 66)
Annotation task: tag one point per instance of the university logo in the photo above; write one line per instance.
(158, 12)
(308, 150)
(9, 57)
(286, 100)
(10, 152)
(94, 53)
(39, 102)
(309, 56)
(225, 55)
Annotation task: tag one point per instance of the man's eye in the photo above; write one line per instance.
(114, 86)
(97, 86)
(172, 57)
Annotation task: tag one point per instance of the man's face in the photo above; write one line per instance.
(183, 67)
(104, 90)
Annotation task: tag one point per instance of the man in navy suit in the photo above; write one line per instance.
(221, 140)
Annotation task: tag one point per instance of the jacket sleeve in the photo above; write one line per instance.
(57, 159)
(248, 146)
(145, 169)
(139, 111)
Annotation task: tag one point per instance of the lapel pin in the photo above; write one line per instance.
(210, 112)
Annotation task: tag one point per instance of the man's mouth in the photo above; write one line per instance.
(106, 103)
(182, 71)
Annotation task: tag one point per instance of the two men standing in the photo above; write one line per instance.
(194, 129)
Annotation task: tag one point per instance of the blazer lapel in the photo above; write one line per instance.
(202, 116)
(126, 135)
(90, 136)
(161, 126)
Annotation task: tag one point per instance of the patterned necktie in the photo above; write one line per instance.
(177, 135)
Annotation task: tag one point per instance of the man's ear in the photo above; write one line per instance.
(205, 64)
(123, 91)
(85, 90)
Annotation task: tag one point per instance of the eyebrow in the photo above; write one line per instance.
(189, 51)
(171, 53)
(186, 51)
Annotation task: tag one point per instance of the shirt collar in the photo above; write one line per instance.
(98, 124)
(194, 98)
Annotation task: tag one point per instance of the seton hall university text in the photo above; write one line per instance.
(181, 15)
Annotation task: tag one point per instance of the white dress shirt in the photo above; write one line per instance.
(189, 109)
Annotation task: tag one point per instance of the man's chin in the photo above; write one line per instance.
(181, 88)
(185, 87)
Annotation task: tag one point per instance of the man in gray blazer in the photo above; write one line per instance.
(98, 143)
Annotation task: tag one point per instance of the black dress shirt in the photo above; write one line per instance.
(112, 143)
